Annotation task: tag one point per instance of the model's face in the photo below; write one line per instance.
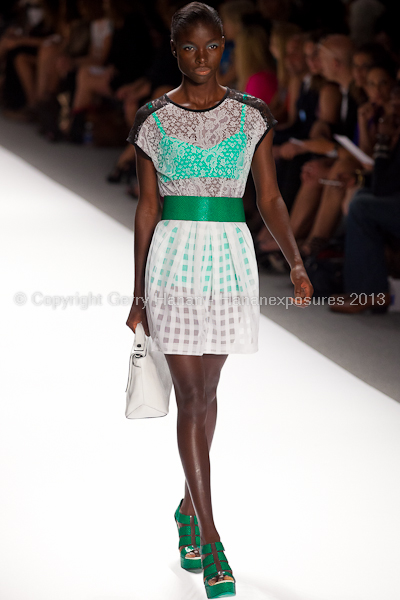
(199, 50)
(379, 85)
(361, 63)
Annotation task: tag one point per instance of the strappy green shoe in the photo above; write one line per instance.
(214, 563)
(189, 538)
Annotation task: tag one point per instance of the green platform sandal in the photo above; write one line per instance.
(214, 563)
(189, 538)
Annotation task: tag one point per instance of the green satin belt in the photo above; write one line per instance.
(203, 208)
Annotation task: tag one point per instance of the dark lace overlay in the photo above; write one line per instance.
(260, 105)
(141, 116)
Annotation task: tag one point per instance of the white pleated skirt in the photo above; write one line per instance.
(202, 288)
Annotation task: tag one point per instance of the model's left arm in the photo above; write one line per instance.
(275, 215)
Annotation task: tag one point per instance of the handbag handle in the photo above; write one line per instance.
(139, 349)
(140, 341)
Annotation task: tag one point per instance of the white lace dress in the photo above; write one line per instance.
(201, 278)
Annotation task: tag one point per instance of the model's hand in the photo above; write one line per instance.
(302, 286)
(138, 315)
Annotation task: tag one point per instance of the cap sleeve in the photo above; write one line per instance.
(138, 133)
(261, 121)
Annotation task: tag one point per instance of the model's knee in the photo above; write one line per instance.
(193, 403)
(211, 392)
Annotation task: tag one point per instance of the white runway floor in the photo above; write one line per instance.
(305, 459)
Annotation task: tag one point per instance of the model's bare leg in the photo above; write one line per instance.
(212, 365)
(195, 390)
(195, 381)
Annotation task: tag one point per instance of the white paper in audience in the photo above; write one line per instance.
(354, 150)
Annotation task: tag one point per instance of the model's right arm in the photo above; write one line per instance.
(148, 214)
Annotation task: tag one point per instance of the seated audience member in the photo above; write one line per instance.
(321, 110)
(336, 53)
(254, 63)
(19, 47)
(162, 76)
(280, 34)
(363, 58)
(303, 90)
(380, 81)
(362, 17)
(232, 14)
(256, 76)
(373, 220)
(85, 38)
(130, 36)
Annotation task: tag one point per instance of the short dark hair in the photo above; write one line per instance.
(193, 13)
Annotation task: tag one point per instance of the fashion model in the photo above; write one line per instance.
(196, 278)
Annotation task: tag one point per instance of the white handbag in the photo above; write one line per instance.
(149, 379)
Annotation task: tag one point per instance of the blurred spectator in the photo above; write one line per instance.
(362, 17)
(232, 14)
(125, 63)
(280, 35)
(84, 38)
(373, 223)
(335, 55)
(363, 58)
(316, 107)
(162, 76)
(379, 83)
(254, 63)
(19, 47)
(298, 92)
